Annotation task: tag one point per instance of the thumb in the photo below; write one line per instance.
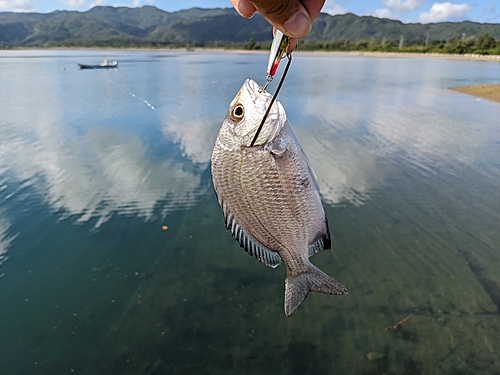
(289, 16)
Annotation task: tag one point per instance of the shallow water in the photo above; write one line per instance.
(94, 163)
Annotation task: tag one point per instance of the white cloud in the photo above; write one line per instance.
(73, 4)
(384, 13)
(97, 3)
(401, 5)
(440, 12)
(128, 4)
(17, 5)
(394, 8)
(332, 8)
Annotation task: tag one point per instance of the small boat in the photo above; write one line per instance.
(104, 65)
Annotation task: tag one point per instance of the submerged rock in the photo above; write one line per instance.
(374, 356)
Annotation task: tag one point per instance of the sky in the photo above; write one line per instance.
(407, 11)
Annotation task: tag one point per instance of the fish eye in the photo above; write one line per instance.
(237, 112)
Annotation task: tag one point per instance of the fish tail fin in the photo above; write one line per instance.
(297, 287)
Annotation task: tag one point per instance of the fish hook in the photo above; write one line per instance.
(289, 56)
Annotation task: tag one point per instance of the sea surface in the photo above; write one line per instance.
(114, 258)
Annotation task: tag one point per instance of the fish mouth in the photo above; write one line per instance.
(275, 119)
(256, 91)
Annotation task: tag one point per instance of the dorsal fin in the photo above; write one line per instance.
(248, 243)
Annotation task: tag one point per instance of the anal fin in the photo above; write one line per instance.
(249, 244)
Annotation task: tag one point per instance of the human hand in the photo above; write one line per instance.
(293, 17)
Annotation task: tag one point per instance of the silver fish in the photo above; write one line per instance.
(269, 194)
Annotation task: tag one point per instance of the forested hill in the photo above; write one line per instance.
(148, 25)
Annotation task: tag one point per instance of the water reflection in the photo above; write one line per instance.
(408, 171)
(100, 173)
(5, 240)
(87, 166)
(334, 137)
(194, 135)
(350, 132)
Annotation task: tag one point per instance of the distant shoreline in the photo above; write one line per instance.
(365, 53)
(411, 55)
(393, 54)
(476, 57)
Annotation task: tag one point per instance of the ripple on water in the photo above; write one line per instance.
(5, 239)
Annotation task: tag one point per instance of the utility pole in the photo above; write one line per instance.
(427, 41)
(401, 41)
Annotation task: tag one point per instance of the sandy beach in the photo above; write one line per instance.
(491, 91)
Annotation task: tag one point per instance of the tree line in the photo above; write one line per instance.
(483, 44)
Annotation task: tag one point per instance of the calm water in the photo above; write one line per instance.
(94, 163)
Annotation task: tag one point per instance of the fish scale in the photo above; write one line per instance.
(269, 194)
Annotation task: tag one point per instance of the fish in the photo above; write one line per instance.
(269, 194)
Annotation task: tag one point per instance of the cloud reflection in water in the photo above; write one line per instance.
(101, 173)
(195, 136)
(343, 159)
(353, 136)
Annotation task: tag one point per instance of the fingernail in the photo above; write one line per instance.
(298, 25)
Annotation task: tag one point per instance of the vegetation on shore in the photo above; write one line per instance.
(484, 44)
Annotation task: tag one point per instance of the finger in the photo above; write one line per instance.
(289, 16)
(313, 7)
(245, 8)
(292, 45)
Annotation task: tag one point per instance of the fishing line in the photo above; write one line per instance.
(126, 89)
(273, 99)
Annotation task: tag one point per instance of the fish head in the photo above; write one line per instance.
(245, 115)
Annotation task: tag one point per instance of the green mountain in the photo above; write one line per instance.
(355, 28)
(148, 25)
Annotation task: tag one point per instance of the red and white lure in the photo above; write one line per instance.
(279, 49)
